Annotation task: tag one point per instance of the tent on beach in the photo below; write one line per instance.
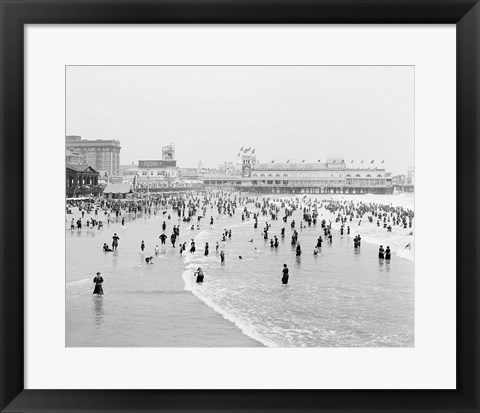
(118, 190)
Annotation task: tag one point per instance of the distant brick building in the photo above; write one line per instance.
(101, 155)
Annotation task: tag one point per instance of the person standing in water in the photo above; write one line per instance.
(285, 275)
(387, 253)
(142, 246)
(163, 237)
(115, 241)
(222, 258)
(98, 280)
(381, 252)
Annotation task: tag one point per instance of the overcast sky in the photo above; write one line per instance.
(209, 112)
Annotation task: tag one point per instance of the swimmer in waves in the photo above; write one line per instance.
(199, 275)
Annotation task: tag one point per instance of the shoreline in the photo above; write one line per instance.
(368, 250)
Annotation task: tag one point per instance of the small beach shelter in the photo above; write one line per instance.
(118, 190)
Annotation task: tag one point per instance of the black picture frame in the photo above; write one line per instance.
(16, 13)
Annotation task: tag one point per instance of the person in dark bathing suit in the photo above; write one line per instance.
(387, 253)
(285, 275)
(163, 237)
(115, 241)
(98, 280)
(199, 274)
(381, 252)
(299, 250)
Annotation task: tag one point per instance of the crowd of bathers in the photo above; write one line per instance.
(192, 207)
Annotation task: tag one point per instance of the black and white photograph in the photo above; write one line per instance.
(240, 206)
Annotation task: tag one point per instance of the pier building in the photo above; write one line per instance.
(329, 177)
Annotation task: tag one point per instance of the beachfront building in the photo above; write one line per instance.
(411, 176)
(405, 182)
(129, 173)
(332, 176)
(74, 158)
(81, 175)
(156, 173)
(102, 155)
(81, 179)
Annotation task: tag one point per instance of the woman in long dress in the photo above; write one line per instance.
(98, 280)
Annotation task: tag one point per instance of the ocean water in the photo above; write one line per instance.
(340, 298)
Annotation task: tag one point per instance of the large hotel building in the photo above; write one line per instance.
(332, 176)
(101, 155)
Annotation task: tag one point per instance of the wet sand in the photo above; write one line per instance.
(144, 305)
